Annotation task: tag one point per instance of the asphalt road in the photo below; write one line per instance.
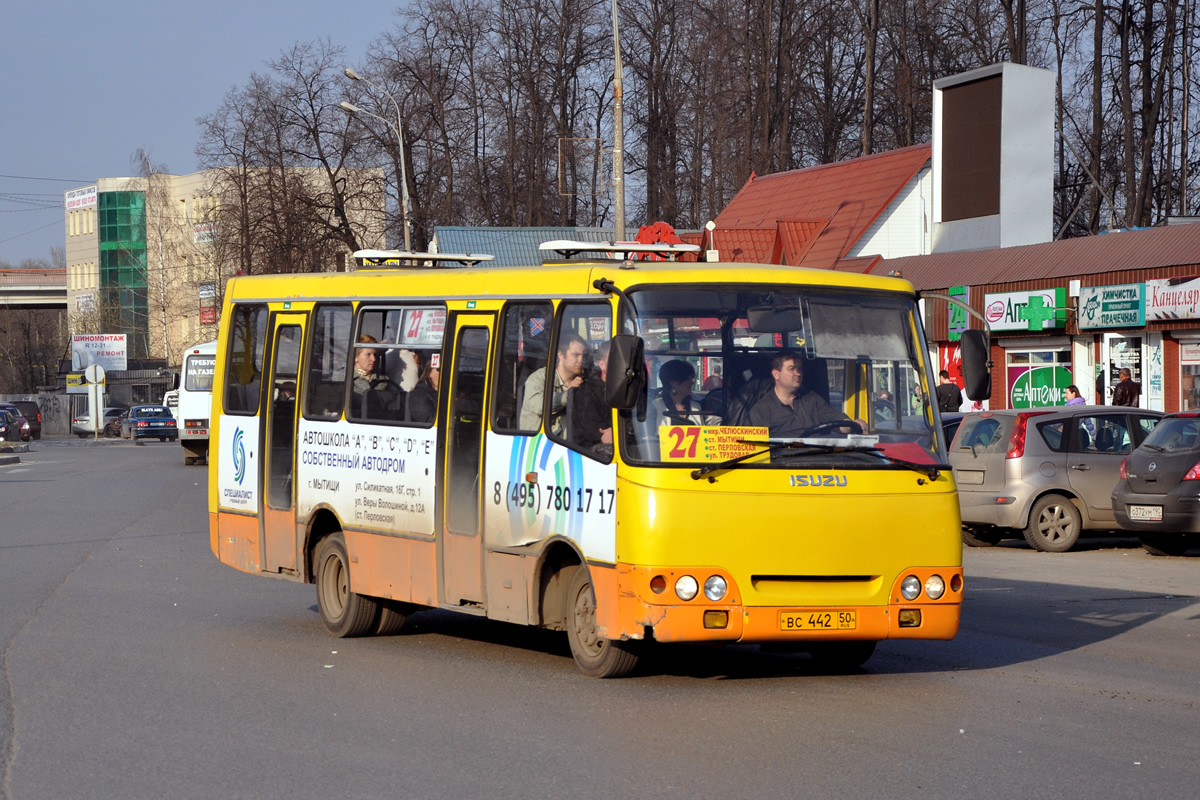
(134, 665)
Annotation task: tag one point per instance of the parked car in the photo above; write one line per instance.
(22, 422)
(10, 429)
(1046, 474)
(1158, 494)
(950, 422)
(112, 427)
(149, 422)
(33, 415)
(81, 426)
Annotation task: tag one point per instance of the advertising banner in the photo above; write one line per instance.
(1033, 387)
(1044, 309)
(1121, 306)
(106, 349)
(80, 198)
(956, 320)
(1173, 298)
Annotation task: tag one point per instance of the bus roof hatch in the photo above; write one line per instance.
(404, 258)
(567, 248)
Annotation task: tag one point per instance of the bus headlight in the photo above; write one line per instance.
(910, 588)
(715, 588)
(686, 587)
(935, 587)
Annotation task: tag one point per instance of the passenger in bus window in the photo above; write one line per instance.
(790, 409)
(589, 416)
(366, 405)
(568, 374)
(675, 403)
(422, 388)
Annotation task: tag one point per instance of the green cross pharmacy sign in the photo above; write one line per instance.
(1040, 310)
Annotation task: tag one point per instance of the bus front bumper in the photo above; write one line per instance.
(631, 614)
(764, 624)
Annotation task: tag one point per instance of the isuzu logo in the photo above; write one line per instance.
(818, 480)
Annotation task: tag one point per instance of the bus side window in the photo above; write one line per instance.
(525, 338)
(586, 418)
(327, 361)
(395, 365)
(243, 372)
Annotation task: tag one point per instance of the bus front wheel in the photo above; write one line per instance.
(596, 656)
(343, 612)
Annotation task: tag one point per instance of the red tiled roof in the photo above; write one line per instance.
(848, 195)
(1170, 246)
(797, 237)
(863, 264)
(747, 244)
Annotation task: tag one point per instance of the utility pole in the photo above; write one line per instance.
(618, 137)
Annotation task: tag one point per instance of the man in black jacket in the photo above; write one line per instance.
(949, 396)
(1128, 390)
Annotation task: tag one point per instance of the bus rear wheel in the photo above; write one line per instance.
(343, 613)
(596, 656)
(392, 616)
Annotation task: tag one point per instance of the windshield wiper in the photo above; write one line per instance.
(819, 447)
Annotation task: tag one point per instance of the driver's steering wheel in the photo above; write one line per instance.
(830, 425)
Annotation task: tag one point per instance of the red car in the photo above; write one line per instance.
(26, 432)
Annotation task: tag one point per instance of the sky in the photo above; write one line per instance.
(83, 85)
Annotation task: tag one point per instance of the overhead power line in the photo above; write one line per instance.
(35, 178)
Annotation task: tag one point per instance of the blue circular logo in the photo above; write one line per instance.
(239, 456)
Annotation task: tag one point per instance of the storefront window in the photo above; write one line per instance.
(1038, 377)
(1189, 376)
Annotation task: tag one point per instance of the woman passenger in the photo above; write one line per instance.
(675, 401)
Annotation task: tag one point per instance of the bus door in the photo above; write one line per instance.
(278, 518)
(460, 551)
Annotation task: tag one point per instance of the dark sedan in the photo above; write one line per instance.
(149, 422)
(1158, 494)
(10, 429)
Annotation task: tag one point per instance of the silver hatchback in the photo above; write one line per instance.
(1046, 474)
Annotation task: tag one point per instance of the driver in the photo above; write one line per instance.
(790, 409)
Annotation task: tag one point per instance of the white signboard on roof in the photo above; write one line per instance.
(81, 198)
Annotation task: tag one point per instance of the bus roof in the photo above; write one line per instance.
(551, 279)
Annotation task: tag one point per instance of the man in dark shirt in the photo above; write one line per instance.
(589, 416)
(789, 409)
(949, 396)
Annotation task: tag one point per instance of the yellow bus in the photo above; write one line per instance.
(613, 447)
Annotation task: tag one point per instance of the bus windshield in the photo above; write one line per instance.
(732, 369)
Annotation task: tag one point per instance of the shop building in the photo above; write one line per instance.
(1074, 312)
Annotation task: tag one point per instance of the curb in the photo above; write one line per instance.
(6, 460)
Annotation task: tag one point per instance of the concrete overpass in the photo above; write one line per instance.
(33, 288)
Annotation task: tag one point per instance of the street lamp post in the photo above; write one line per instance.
(618, 135)
(399, 129)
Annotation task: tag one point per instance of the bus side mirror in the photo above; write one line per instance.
(976, 364)
(174, 381)
(626, 378)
